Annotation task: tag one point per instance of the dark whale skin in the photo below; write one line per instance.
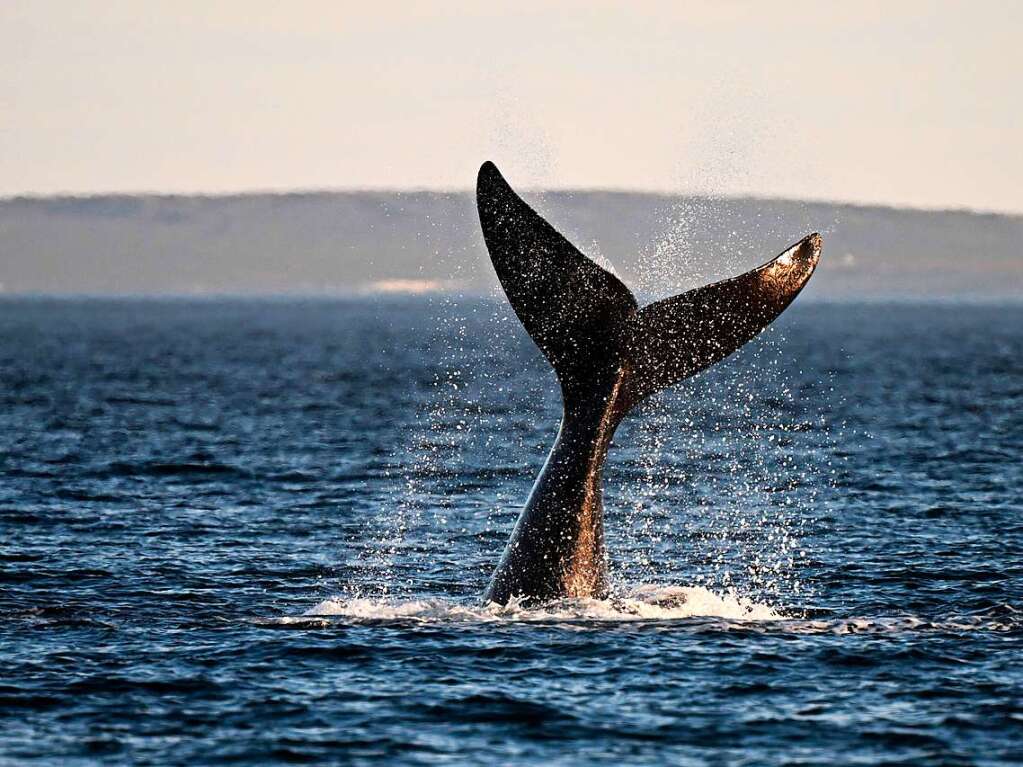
(609, 354)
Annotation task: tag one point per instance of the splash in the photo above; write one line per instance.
(644, 603)
(688, 608)
(710, 485)
(728, 469)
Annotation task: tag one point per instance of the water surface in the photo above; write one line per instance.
(257, 531)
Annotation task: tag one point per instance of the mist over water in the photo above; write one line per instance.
(221, 513)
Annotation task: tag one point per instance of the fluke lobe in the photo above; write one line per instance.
(608, 355)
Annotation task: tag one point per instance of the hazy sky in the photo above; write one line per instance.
(914, 103)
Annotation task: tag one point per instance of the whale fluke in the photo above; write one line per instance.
(567, 303)
(678, 337)
(608, 355)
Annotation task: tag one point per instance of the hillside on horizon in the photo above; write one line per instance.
(327, 243)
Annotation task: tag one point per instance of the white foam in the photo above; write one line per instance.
(643, 603)
(711, 611)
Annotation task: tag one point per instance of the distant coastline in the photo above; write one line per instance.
(392, 243)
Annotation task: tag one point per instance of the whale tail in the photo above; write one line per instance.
(609, 355)
(588, 323)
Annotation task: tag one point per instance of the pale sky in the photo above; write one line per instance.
(907, 103)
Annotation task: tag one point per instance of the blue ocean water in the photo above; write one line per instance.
(255, 532)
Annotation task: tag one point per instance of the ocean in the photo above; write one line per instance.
(256, 531)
